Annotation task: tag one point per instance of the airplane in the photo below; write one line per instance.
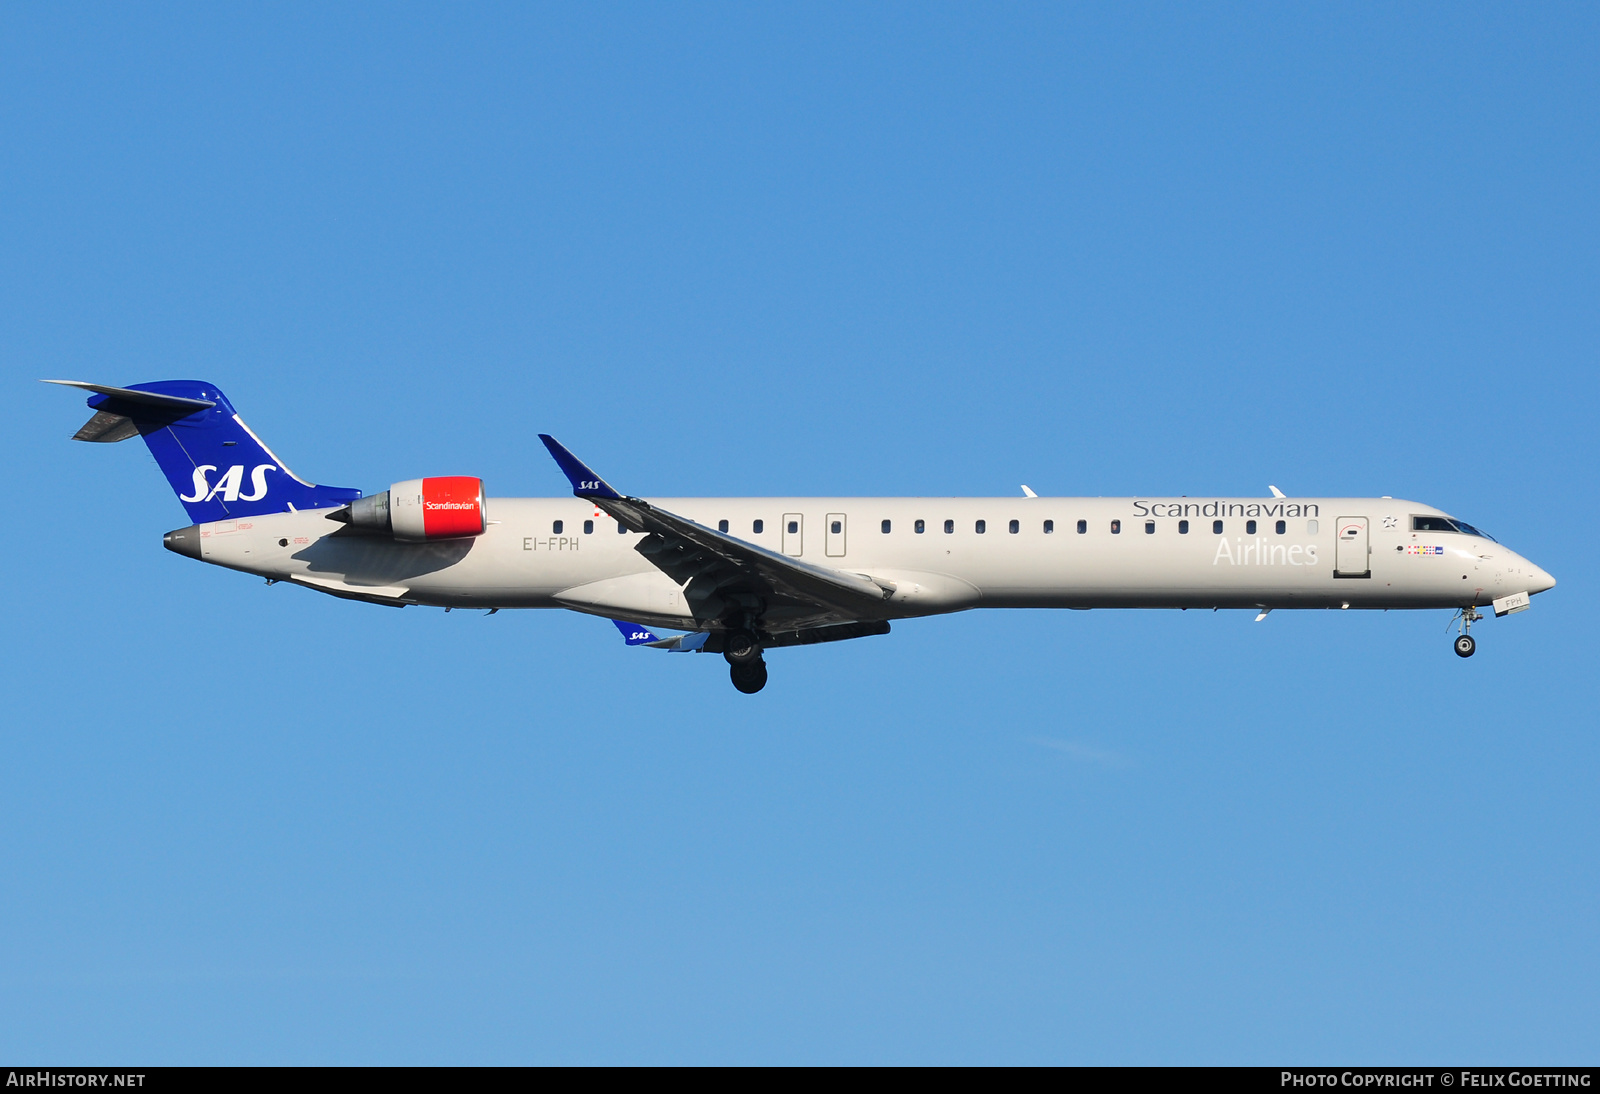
(741, 576)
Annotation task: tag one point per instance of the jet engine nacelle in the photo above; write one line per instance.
(421, 510)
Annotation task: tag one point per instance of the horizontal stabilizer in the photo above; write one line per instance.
(107, 428)
(114, 422)
(142, 398)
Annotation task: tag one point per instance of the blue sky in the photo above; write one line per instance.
(765, 249)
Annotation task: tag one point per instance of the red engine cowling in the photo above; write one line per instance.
(449, 507)
(420, 510)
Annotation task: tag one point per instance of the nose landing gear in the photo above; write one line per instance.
(1465, 646)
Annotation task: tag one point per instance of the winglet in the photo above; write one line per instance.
(635, 634)
(585, 483)
(1275, 491)
(1027, 492)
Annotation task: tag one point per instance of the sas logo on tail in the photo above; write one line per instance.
(228, 485)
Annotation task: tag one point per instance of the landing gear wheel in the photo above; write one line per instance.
(749, 677)
(1465, 646)
(741, 648)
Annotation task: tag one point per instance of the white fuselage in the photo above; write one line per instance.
(1301, 553)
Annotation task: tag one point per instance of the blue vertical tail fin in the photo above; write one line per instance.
(219, 469)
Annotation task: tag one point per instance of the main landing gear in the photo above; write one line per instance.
(749, 678)
(746, 668)
(1465, 646)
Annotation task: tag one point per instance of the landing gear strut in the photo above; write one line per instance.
(745, 666)
(1465, 646)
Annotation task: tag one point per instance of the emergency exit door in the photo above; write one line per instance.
(1352, 556)
(835, 535)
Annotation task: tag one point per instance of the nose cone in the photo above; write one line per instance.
(186, 542)
(1541, 581)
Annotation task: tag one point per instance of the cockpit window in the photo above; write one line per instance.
(1445, 524)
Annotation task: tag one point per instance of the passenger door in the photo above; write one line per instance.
(1351, 553)
(835, 535)
(793, 531)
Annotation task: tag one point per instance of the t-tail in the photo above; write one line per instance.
(217, 467)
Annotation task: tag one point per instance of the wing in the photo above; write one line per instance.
(725, 577)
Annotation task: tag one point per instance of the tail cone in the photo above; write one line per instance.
(183, 541)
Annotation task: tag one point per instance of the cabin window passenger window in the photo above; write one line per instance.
(920, 527)
(980, 526)
(837, 527)
(556, 526)
(1149, 527)
(1311, 527)
(794, 526)
(1083, 526)
(1216, 527)
(1249, 527)
(949, 527)
(885, 527)
(622, 529)
(758, 527)
(1283, 526)
(1015, 527)
(1049, 527)
(588, 527)
(722, 526)
(1183, 527)
(1116, 527)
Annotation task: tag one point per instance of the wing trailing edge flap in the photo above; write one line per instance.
(720, 572)
(837, 632)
